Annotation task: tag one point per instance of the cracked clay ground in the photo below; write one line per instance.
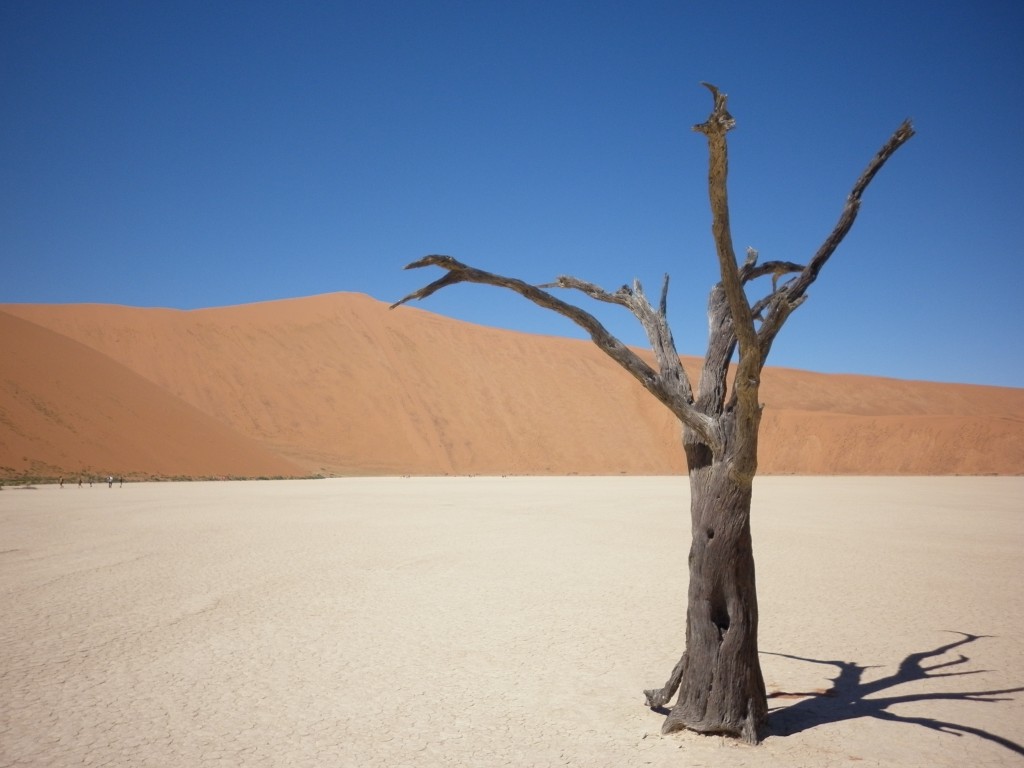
(492, 622)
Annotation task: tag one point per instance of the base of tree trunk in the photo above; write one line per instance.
(721, 689)
(742, 717)
(747, 727)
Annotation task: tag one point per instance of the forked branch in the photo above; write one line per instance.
(671, 391)
(775, 308)
(654, 321)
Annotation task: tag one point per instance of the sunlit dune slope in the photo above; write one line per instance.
(340, 384)
(68, 409)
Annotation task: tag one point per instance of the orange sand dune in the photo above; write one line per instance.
(67, 409)
(339, 384)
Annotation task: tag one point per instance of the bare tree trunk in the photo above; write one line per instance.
(721, 689)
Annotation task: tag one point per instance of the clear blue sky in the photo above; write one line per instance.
(195, 154)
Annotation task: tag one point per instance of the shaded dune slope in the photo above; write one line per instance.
(339, 384)
(67, 409)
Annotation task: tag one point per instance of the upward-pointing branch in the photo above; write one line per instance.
(718, 124)
(794, 292)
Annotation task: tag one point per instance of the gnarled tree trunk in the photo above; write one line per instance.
(721, 689)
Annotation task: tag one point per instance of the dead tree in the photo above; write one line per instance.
(721, 689)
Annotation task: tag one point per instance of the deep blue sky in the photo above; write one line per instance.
(196, 154)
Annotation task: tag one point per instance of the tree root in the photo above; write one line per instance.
(659, 697)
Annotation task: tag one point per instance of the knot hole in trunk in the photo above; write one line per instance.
(720, 618)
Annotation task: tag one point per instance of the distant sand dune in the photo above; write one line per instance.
(67, 409)
(338, 384)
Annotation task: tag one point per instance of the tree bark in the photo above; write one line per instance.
(721, 689)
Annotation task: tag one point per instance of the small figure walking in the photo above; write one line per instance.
(62, 482)
(110, 481)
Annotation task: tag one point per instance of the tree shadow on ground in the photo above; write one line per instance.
(850, 697)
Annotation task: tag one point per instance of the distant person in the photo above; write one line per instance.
(120, 482)
(62, 482)
(110, 481)
(79, 481)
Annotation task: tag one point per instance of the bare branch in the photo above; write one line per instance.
(721, 338)
(663, 302)
(620, 297)
(721, 346)
(667, 389)
(655, 323)
(899, 137)
(796, 290)
(715, 128)
(774, 268)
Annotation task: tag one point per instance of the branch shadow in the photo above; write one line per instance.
(850, 697)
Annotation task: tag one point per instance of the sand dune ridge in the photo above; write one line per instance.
(338, 384)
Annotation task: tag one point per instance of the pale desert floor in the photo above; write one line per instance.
(497, 622)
